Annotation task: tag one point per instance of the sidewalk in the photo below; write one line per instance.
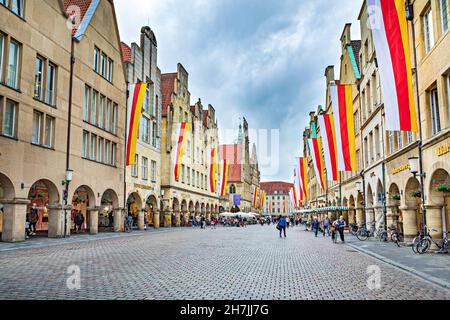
(42, 242)
(432, 267)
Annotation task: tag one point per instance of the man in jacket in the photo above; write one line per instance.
(34, 218)
(282, 226)
(326, 226)
(315, 226)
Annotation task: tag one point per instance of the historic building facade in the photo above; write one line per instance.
(143, 179)
(41, 162)
(277, 201)
(190, 196)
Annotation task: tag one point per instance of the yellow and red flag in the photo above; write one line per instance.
(262, 199)
(304, 178)
(181, 135)
(342, 100)
(134, 110)
(255, 196)
(315, 147)
(213, 170)
(391, 40)
(327, 130)
(224, 177)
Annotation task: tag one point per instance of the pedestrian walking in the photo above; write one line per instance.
(326, 226)
(315, 226)
(340, 224)
(34, 218)
(282, 226)
(27, 226)
(78, 221)
(202, 222)
(213, 223)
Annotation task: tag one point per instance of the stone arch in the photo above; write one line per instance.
(411, 189)
(412, 213)
(44, 196)
(197, 208)
(184, 207)
(393, 195)
(83, 200)
(440, 177)
(109, 202)
(176, 205)
(7, 191)
(380, 193)
(369, 197)
(208, 210)
(438, 209)
(151, 208)
(203, 209)
(191, 208)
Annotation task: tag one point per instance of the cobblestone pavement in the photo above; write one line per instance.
(227, 263)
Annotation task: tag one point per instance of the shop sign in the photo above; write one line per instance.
(400, 169)
(443, 150)
(144, 187)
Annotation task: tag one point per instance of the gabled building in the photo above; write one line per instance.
(277, 201)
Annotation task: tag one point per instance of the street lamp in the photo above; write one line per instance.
(69, 176)
(359, 186)
(414, 167)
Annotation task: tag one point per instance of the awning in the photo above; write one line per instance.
(326, 209)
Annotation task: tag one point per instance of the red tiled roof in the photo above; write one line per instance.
(126, 52)
(73, 7)
(167, 88)
(272, 186)
(233, 153)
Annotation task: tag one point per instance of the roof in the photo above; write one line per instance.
(167, 88)
(83, 11)
(233, 153)
(205, 118)
(126, 52)
(272, 186)
(353, 49)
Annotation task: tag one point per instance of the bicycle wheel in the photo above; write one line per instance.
(383, 236)
(415, 241)
(362, 235)
(423, 246)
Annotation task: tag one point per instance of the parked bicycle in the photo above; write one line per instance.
(353, 228)
(363, 234)
(128, 224)
(424, 245)
(395, 236)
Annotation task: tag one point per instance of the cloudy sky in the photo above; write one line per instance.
(259, 59)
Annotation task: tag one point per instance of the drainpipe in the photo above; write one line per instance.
(69, 127)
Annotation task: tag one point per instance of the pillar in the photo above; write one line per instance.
(140, 221)
(409, 223)
(370, 217)
(392, 216)
(156, 219)
(167, 219)
(118, 220)
(359, 216)
(351, 216)
(178, 219)
(379, 217)
(93, 221)
(434, 223)
(55, 222)
(14, 216)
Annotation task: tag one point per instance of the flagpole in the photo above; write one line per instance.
(125, 152)
(410, 17)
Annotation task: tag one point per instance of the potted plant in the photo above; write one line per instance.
(396, 197)
(444, 188)
(416, 194)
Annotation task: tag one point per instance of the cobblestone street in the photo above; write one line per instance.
(227, 263)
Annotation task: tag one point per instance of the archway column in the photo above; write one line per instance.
(93, 220)
(351, 216)
(56, 221)
(370, 217)
(118, 220)
(177, 219)
(359, 216)
(409, 223)
(434, 221)
(392, 216)
(14, 216)
(167, 219)
(379, 217)
(156, 222)
(141, 220)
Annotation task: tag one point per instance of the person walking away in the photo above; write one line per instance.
(202, 222)
(315, 226)
(282, 226)
(34, 218)
(213, 223)
(326, 226)
(83, 224)
(27, 226)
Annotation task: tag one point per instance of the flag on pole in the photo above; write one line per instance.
(213, 170)
(262, 199)
(224, 177)
(390, 37)
(134, 110)
(327, 130)
(304, 178)
(315, 145)
(298, 184)
(270, 205)
(255, 196)
(181, 135)
(344, 119)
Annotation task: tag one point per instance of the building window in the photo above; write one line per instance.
(37, 127)
(154, 134)
(87, 98)
(17, 7)
(134, 167)
(13, 65)
(153, 171)
(409, 136)
(108, 115)
(435, 116)
(198, 179)
(146, 104)
(92, 144)
(144, 168)
(145, 129)
(188, 172)
(188, 149)
(2, 50)
(107, 151)
(9, 119)
(445, 15)
(49, 131)
(101, 109)
(109, 74)
(113, 154)
(51, 80)
(114, 119)
(448, 95)
(182, 174)
(391, 142)
(38, 78)
(155, 106)
(84, 147)
(399, 140)
(100, 149)
(94, 108)
(102, 64)
(428, 30)
(180, 115)
(96, 56)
